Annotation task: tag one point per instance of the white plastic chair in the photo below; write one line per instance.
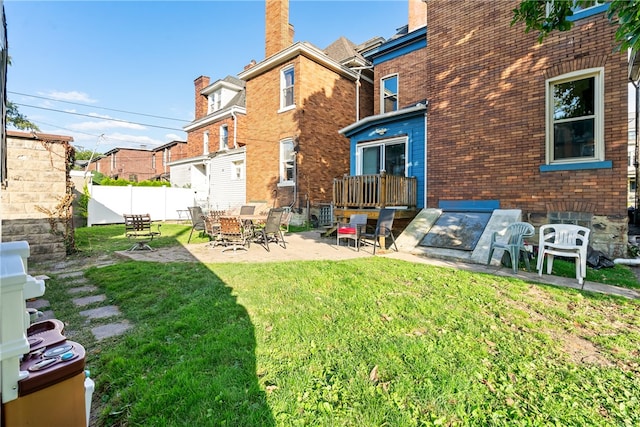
(564, 240)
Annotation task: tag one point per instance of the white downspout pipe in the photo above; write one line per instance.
(235, 129)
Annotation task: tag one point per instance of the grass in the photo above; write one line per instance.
(371, 342)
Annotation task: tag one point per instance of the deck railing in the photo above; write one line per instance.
(374, 191)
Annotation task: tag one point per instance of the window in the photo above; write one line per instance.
(389, 156)
(286, 88)
(215, 101)
(153, 161)
(113, 161)
(205, 143)
(224, 137)
(389, 94)
(575, 117)
(237, 170)
(287, 162)
(577, 9)
(166, 157)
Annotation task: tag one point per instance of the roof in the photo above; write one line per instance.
(168, 144)
(39, 136)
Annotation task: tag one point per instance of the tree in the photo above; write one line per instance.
(82, 153)
(19, 120)
(548, 16)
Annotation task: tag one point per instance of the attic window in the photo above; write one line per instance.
(215, 101)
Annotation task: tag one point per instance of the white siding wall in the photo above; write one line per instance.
(225, 190)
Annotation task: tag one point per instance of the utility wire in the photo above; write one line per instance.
(94, 106)
(104, 138)
(99, 118)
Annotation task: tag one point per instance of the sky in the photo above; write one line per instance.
(120, 73)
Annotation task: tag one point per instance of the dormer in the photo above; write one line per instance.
(220, 93)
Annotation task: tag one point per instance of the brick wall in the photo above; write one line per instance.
(37, 182)
(412, 78)
(195, 137)
(325, 103)
(486, 121)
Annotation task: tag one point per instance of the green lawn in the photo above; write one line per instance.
(366, 342)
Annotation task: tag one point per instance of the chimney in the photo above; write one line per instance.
(279, 33)
(417, 14)
(201, 101)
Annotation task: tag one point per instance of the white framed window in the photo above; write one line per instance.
(287, 81)
(389, 94)
(575, 117)
(153, 161)
(224, 137)
(113, 161)
(388, 155)
(215, 101)
(287, 163)
(237, 170)
(205, 142)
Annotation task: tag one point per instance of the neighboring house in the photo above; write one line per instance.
(297, 98)
(215, 164)
(283, 148)
(139, 164)
(510, 122)
(37, 198)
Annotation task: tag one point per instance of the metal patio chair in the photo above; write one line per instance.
(272, 230)
(197, 221)
(383, 229)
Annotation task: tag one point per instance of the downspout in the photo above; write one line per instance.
(235, 129)
(636, 154)
(358, 95)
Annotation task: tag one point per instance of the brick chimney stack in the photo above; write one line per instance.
(417, 14)
(279, 33)
(201, 101)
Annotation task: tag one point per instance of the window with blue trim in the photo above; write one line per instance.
(575, 119)
(579, 10)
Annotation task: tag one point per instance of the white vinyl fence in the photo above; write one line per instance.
(107, 204)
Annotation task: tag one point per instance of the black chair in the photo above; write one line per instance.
(197, 220)
(272, 230)
(383, 229)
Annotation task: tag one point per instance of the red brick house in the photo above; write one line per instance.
(281, 117)
(297, 98)
(215, 163)
(510, 122)
(139, 164)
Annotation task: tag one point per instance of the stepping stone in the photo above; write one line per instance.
(70, 274)
(110, 330)
(101, 312)
(38, 304)
(79, 302)
(88, 288)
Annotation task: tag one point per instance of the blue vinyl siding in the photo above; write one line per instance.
(413, 129)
